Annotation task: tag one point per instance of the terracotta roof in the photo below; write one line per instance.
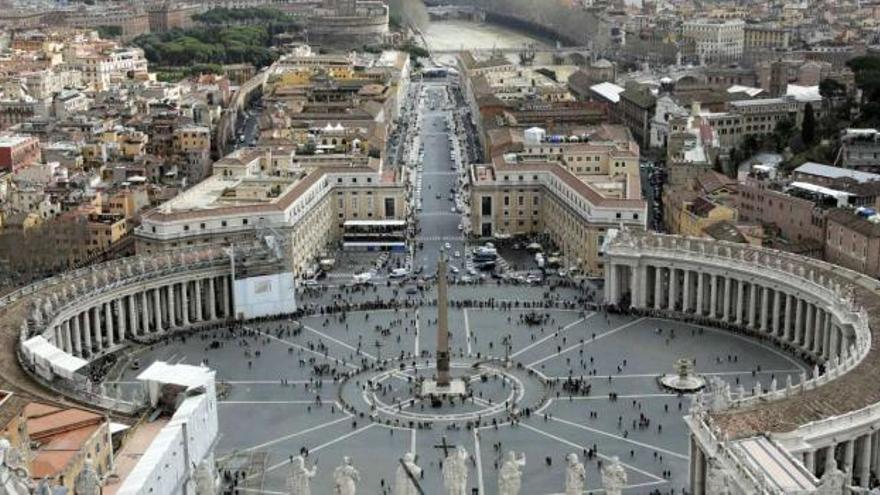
(62, 433)
(852, 391)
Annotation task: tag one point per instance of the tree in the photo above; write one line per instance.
(830, 89)
(808, 126)
(783, 133)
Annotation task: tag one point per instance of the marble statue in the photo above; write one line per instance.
(717, 394)
(406, 472)
(299, 477)
(13, 480)
(832, 482)
(575, 475)
(510, 475)
(455, 472)
(613, 477)
(345, 478)
(44, 487)
(206, 482)
(87, 482)
(717, 482)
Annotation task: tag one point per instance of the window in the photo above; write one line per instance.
(244, 221)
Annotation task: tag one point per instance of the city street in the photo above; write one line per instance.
(438, 219)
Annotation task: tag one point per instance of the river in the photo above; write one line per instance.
(461, 34)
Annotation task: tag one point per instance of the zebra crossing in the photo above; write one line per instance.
(440, 238)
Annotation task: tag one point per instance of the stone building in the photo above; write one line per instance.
(853, 241)
(716, 40)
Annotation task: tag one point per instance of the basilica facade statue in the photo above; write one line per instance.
(510, 475)
(455, 472)
(299, 477)
(613, 477)
(407, 472)
(345, 478)
(575, 475)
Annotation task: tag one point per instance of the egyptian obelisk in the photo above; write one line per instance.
(442, 325)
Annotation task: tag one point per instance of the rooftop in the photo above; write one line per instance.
(831, 172)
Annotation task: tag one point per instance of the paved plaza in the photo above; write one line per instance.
(281, 400)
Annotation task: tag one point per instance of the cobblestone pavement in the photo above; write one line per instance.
(278, 402)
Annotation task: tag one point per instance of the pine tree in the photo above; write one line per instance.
(808, 127)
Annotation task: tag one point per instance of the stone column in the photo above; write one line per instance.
(789, 317)
(672, 300)
(132, 316)
(108, 320)
(713, 296)
(810, 461)
(740, 298)
(640, 290)
(184, 302)
(658, 287)
(726, 300)
(848, 456)
(807, 339)
(830, 461)
(875, 458)
(777, 311)
(68, 340)
(228, 303)
(145, 313)
(829, 336)
(865, 461)
(753, 304)
(172, 313)
(698, 471)
(765, 307)
(700, 291)
(818, 325)
(87, 329)
(212, 301)
(197, 295)
(157, 308)
(77, 338)
(798, 320)
(686, 291)
(120, 318)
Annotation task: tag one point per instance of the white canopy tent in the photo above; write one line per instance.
(50, 360)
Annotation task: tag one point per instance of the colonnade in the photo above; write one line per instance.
(856, 454)
(102, 324)
(780, 311)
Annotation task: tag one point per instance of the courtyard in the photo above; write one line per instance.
(566, 380)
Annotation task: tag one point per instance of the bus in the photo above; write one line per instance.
(374, 235)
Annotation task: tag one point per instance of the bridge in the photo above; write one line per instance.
(574, 55)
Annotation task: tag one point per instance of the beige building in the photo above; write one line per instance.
(716, 40)
(574, 190)
(852, 241)
(308, 197)
(762, 37)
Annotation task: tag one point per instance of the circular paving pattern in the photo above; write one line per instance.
(496, 392)
(577, 381)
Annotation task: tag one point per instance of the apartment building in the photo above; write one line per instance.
(853, 241)
(574, 190)
(716, 40)
(308, 197)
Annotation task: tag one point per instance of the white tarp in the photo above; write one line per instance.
(46, 357)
